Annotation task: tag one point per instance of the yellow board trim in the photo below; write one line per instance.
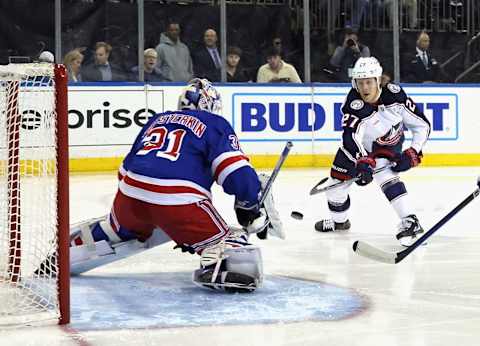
(293, 161)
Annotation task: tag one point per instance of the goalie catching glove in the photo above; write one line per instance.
(260, 219)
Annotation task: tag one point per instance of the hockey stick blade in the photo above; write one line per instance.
(376, 254)
(316, 189)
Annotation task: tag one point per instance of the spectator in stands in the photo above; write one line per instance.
(411, 11)
(101, 69)
(73, 62)
(346, 55)
(207, 62)
(276, 43)
(422, 67)
(276, 70)
(151, 72)
(174, 62)
(235, 73)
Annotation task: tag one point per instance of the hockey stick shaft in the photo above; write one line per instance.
(273, 175)
(316, 190)
(376, 254)
(404, 253)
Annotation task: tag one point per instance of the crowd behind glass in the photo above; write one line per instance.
(341, 32)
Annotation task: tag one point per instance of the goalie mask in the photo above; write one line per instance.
(367, 68)
(201, 95)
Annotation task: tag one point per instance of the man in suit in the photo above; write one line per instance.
(422, 67)
(207, 62)
(101, 69)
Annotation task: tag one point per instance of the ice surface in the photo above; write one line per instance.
(317, 291)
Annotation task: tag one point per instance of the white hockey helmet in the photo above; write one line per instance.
(201, 95)
(367, 68)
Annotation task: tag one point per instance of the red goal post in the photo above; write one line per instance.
(34, 209)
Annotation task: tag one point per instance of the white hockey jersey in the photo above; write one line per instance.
(368, 126)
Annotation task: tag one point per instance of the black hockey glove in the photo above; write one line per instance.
(408, 158)
(364, 170)
(246, 216)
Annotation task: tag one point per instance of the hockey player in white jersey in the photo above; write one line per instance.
(374, 121)
(164, 194)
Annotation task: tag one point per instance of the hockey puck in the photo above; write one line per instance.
(296, 215)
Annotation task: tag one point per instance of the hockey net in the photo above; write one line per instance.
(34, 271)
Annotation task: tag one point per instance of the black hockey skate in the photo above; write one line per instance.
(409, 228)
(328, 225)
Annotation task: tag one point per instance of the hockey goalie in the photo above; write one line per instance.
(164, 194)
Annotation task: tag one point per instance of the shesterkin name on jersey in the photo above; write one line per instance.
(194, 124)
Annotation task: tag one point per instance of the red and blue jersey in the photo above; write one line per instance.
(178, 155)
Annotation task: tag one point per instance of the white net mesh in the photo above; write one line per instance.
(28, 194)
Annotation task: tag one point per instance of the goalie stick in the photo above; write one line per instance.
(273, 176)
(379, 255)
(316, 189)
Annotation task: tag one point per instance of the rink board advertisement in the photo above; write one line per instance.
(105, 119)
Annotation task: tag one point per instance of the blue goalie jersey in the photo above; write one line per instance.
(178, 155)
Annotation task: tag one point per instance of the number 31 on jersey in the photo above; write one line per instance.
(158, 137)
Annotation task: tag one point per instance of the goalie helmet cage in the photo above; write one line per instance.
(34, 213)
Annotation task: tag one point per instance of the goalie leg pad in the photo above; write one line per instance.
(86, 257)
(94, 230)
(236, 269)
(83, 259)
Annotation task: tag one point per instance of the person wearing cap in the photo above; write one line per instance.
(151, 72)
(276, 70)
